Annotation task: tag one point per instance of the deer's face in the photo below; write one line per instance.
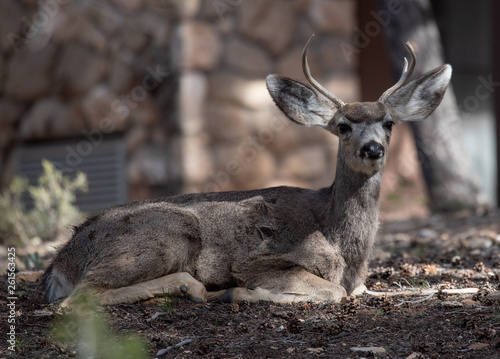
(364, 131)
(364, 128)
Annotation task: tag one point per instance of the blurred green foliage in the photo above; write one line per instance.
(53, 206)
(84, 330)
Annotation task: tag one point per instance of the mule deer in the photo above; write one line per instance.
(281, 244)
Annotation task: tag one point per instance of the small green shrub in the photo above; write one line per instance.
(84, 329)
(169, 304)
(53, 205)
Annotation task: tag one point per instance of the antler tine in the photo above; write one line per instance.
(313, 82)
(407, 71)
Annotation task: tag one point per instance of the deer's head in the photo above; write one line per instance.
(363, 128)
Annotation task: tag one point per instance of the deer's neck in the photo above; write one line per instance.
(352, 215)
(352, 220)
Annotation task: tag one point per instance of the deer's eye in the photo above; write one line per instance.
(388, 125)
(343, 128)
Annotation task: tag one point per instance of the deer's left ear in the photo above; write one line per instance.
(418, 99)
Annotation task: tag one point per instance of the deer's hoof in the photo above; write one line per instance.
(226, 297)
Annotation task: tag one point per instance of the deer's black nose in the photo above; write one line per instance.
(372, 150)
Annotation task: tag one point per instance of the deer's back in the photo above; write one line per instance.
(204, 234)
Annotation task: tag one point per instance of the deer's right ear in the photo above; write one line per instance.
(299, 102)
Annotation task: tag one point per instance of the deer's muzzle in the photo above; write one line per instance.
(372, 150)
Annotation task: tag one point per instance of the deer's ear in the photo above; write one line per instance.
(418, 99)
(299, 102)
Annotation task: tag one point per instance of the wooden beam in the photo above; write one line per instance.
(375, 68)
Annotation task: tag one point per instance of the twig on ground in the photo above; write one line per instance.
(287, 341)
(341, 335)
(156, 315)
(324, 304)
(399, 285)
(162, 352)
(423, 292)
(416, 301)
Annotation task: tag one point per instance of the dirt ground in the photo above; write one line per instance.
(441, 253)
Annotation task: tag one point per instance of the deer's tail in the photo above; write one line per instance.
(56, 284)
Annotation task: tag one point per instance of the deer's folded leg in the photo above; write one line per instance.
(177, 284)
(287, 286)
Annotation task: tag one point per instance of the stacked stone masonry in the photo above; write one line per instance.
(182, 81)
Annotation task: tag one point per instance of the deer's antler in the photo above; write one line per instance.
(407, 71)
(313, 82)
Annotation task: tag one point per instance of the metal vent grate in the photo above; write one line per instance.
(103, 163)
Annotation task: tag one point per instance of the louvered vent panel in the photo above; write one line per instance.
(104, 166)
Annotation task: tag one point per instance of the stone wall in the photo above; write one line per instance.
(91, 69)
(233, 136)
(184, 83)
